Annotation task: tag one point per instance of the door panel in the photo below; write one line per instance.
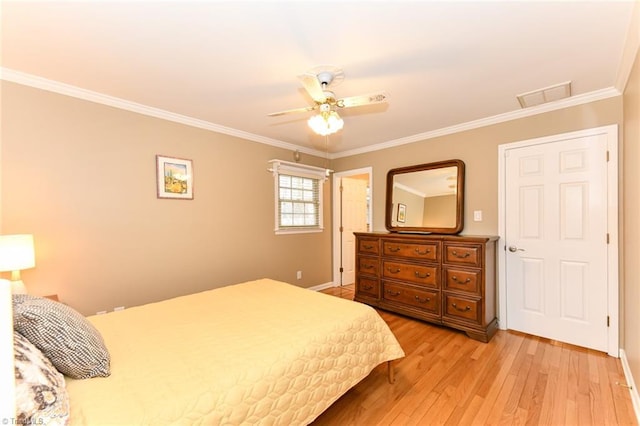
(574, 290)
(354, 219)
(533, 285)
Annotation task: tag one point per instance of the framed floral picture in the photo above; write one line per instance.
(174, 177)
(402, 213)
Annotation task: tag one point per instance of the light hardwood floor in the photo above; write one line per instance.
(448, 378)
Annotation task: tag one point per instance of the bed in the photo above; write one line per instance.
(261, 352)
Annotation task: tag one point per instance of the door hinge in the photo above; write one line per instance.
(607, 238)
(607, 320)
(607, 156)
(342, 229)
(341, 269)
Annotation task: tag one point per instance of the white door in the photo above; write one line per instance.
(556, 208)
(354, 219)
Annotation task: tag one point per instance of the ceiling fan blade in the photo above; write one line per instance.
(294, 110)
(312, 85)
(371, 98)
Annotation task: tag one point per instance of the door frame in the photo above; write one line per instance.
(337, 206)
(613, 284)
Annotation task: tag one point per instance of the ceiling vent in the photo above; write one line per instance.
(547, 94)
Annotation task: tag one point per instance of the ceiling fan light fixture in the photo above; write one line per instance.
(326, 123)
(316, 82)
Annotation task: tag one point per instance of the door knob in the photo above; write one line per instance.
(514, 249)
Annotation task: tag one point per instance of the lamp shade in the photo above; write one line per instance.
(16, 252)
(326, 123)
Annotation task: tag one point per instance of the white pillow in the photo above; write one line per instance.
(41, 395)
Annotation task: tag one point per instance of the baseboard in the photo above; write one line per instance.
(320, 287)
(633, 389)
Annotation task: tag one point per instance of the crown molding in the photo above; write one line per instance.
(88, 95)
(496, 119)
(37, 82)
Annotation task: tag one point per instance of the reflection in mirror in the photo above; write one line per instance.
(426, 198)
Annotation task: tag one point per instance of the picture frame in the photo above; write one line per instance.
(174, 177)
(402, 213)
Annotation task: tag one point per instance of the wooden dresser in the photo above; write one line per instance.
(444, 279)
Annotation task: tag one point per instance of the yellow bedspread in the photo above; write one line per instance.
(261, 352)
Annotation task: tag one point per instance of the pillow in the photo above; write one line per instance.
(72, 344)
(41, 395)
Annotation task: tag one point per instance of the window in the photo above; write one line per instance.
(298, 197)
(298, 202)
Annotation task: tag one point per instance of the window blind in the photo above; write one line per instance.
(298, 197)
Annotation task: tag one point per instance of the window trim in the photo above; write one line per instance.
(279, 167)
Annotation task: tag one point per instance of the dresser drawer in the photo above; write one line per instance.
(463, 255)
(413, 296)
(423, 275)
(429, 251)
(368, 287)
(462, 308)
(457, 279)
(369, 245)
(368, 265)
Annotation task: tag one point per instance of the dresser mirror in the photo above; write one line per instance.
(427, 198)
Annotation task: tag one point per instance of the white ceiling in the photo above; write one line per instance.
(226, 65)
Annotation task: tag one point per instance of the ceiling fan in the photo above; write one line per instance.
(316, 83)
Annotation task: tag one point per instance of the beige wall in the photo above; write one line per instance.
(80, 176)
(631, 212)
(440, 211)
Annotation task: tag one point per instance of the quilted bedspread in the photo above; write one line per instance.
(261, 352)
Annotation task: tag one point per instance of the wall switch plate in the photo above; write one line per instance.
(477, 215)
(299, 275)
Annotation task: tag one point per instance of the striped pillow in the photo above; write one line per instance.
(72, 344)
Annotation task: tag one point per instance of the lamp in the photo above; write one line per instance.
(327, 122)
(16, 253)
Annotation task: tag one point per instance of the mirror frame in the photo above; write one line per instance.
(425, 229)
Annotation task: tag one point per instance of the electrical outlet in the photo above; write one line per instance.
(299, 275)
(477, 215)
(118, 308)
(101, 312)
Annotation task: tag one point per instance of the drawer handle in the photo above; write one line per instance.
(455, 253)
(368, 247)
(393, 271)
(422, 253)
(394, 249)
(393, 293)
(468, 308)
(368, 266)
(425, 300)
(426, 275)
(454, 278)
(368, 287)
